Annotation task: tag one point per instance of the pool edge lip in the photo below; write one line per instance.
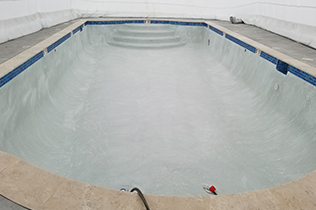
(36, 188)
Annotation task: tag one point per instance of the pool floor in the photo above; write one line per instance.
(166, 120)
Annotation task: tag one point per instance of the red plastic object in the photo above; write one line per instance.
(212, 189)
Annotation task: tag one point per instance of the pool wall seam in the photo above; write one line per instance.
(300, 70)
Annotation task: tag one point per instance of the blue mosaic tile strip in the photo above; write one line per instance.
(181, 23)
(241, 43)
(216, 30)
(15, 72)
(77, 29)
(269, 57)
(303, 75)
(205, 25)
(282, 67)
(113, 22)
(143, 21)
(54, 45)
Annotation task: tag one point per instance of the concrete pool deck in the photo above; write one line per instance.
(36, 188)
(284, 45)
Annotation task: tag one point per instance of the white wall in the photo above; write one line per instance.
(13, 9)
(22, 17)
(143, 8)
(291, 18)
(19, 8)
(297, 11)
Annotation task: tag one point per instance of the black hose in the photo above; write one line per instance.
(141, 196)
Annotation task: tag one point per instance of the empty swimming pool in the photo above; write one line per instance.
(168, 113)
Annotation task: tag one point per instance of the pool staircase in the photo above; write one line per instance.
(145, 36)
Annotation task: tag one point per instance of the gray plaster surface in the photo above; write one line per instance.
(284, 45)
(6, 204)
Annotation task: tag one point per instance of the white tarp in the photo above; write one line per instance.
(292, 18)
(22, 17)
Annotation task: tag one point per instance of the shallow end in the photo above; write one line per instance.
(35, 188)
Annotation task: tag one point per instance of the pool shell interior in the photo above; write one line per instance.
(35, 188)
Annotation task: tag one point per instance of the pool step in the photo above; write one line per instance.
(152, 45)
(147, 40)
(145, 36)
(150, 27)
(145, 33)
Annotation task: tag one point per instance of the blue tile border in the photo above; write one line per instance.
(180, 23)
(60, 41)
(205, 25)
(216, 30)
(241, 43)
(8, 77)
(113, 22)
(285, 68)
(269, 57)
(77, 29)
(183, 23)
(303, 75)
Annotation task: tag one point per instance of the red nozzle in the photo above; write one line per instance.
(212, 189)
